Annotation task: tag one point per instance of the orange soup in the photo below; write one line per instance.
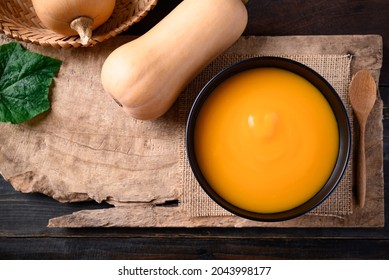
(266, 140)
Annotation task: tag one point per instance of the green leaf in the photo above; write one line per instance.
(25, 79)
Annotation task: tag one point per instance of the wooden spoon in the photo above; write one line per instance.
(362, 94)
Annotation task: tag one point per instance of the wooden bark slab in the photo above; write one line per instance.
(86, 148)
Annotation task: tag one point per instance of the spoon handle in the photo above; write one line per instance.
(361, 168)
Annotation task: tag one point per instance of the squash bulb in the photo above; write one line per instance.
(74, 17)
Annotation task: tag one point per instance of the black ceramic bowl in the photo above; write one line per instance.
(327, 91)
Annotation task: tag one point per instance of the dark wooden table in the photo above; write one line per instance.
(24, 217)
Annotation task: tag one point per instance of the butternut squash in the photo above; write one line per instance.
(147, 74)
(72, 17)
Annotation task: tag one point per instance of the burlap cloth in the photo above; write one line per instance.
(334, 68)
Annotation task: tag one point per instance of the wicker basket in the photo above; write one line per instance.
(19, 21)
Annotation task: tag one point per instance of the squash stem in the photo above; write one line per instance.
(245, 1)
(83, 26)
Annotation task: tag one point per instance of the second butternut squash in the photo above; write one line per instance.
(147, 74)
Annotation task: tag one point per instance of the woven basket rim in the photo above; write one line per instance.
(37, 34)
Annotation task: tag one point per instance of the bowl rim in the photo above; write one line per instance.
(332, 97)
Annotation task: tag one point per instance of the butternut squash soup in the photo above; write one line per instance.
(266, 140)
